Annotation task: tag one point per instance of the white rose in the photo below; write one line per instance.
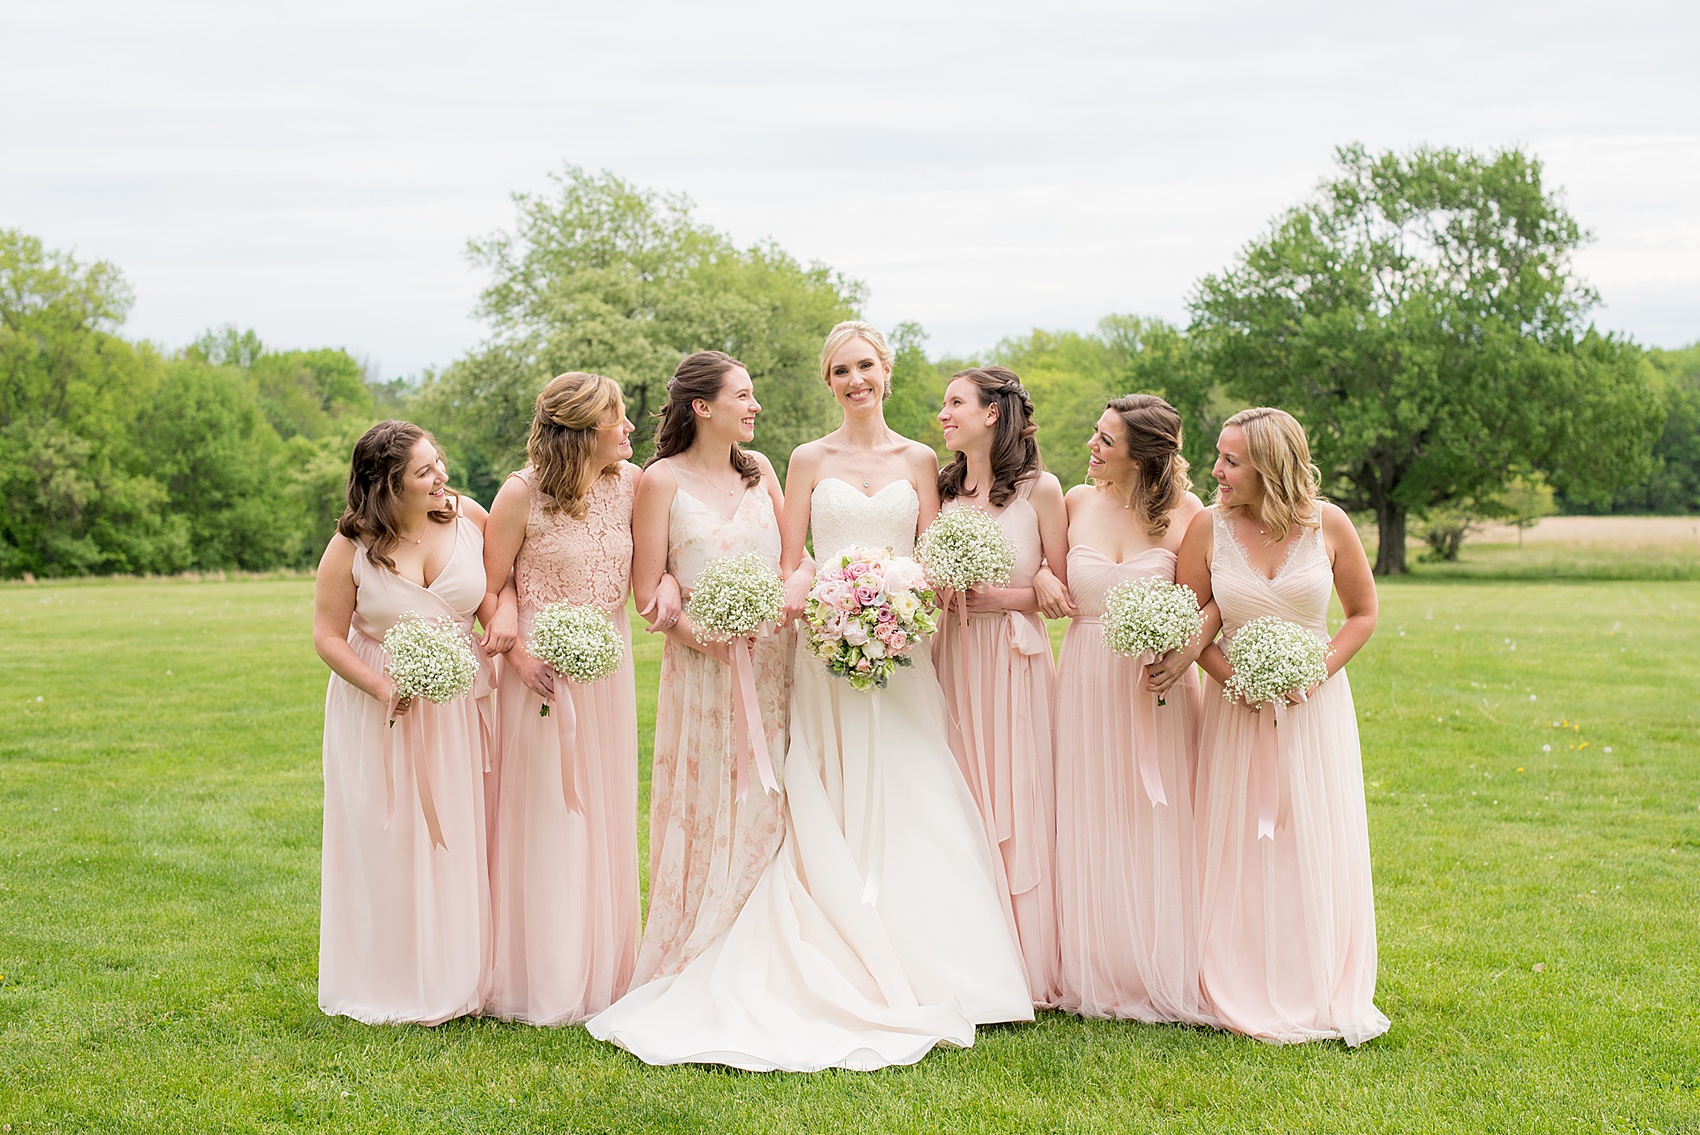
(873, 648)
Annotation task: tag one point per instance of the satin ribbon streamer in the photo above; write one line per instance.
(1145, 733)
(1268, 748)
(748, 736)
(413, 733)
(566, 729)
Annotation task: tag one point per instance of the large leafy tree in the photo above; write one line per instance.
(1422, 316)
(603, 276)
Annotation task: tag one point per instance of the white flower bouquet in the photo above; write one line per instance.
(866, 611)
(963, 547)
(734, 597)
(428, 658)
(1272, 657)
(578, 641)
(1150, 616)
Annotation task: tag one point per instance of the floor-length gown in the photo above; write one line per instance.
(404, 924)
(1288, 923)
(565, 882)
(998, 681)
(1127, 878)
(876, 932)
(709, 842)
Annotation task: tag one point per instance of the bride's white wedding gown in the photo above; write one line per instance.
(876, 931)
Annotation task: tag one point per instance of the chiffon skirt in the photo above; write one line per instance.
(1127, 879)
(999, 682)
(404, 922)
(707, 843)
(1288, 924)
(565, 883)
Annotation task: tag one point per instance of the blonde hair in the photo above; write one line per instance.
(1154, 441)
(563, 437)
(856, 329)
(1280, 453)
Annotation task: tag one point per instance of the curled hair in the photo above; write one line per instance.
(372, 513)
(1015, 452)
(868, 333)
(563, 437)
(699, 375)
(1280, 453)
(1153, 431)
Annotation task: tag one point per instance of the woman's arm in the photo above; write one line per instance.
(650, 522)
(1354, 583)
(924, 475)
(504, 532)
(334, 596)
(794, 529)
(1192, 568)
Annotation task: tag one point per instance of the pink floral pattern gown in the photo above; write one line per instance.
(1126, 865)
(707, 844)
(999, 681)
(1288, 923)
(565, 883)
(404, 922)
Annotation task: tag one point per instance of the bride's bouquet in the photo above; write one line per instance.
(428, 658)
(866, 611)
(1272, 657)
(1150, 616)
(578, 641)
(734, 597)
(963, 547)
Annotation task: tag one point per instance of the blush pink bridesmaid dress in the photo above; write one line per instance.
(998, 681)
(404, 921)
(1288, 922)
(1127, 894)
(565, 883)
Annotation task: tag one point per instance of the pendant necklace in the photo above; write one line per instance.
(712, 483)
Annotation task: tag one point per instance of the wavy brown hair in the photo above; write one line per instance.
(1153, 430)
(372, 512)
(1015, 451)
(1280, 452)
(699, 375)
(563, 437)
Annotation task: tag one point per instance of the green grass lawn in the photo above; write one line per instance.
(1534, 798)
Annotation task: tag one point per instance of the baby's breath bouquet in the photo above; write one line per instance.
(428, 658)
(1150, 616)
(578, 641)
(965, 546)
(1272, 657)
(734, 596)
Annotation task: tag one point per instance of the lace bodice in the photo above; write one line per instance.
(1298, 593)
(1092, 575)
(696, 533)
(1020, 523)
(579, 561)
(841, 516)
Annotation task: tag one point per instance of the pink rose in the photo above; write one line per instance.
(867, 596)
(863, 665)
(855, 569)
(887, 615)
(898, 642)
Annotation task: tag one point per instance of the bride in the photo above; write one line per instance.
(876, 931)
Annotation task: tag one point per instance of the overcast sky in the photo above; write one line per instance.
(313, 170)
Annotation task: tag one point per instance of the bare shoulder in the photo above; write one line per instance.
(471, 509)
(658, 476)
(514, 493)
(1335, 522)
(920, 457)
(1047, 490)
(338, 557)
(1189, 507)
(1079, 497)
(1198, 529)
(806, 461)
(762, 462)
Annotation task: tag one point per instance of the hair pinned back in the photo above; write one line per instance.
(372, 512)
(1153, 430)
(1015, 451)
(699, 375)
(571, 408)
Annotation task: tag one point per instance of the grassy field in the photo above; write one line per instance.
(1531, 757)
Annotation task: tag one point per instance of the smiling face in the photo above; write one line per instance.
(1110, 461)
(423, 480)
(856, 376)
(613, 441)
(1238, 485)
(734, 408)
(966, 423)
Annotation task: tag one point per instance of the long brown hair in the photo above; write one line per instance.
(563, 437)
(699, 375)
(372, 513)
(1153, 430)
(1280, 452)
(1015, 452)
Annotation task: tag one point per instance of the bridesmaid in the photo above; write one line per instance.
(1288, 918)
(702, 495)
(404, 924)
(564, 879)
(995, 667)
(1126, 878)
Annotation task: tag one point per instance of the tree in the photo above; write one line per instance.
(603, 276)
(1422, 317)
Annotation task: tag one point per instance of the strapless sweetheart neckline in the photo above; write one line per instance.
(1118, 563)
(875, 495)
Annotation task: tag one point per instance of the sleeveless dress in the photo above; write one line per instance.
(707, 844)
(565, 883)
(404, 921)
(1288, 923)
(1127, 881)
(877, 931)
(998, 681)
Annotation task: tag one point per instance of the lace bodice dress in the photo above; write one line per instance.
(709, 843)
(1288, 922)
(565, 879)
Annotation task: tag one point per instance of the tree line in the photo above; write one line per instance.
(1420, 313)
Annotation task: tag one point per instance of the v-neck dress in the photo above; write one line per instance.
(404, 916)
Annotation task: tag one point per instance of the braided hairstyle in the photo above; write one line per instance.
(563, 437)
(1015, 452)
(1154, 441)
(699, 375)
